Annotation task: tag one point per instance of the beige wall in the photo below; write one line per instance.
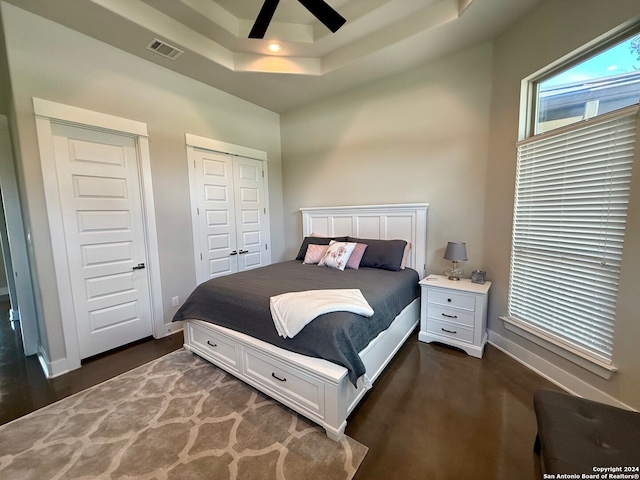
(3, 111)
(444, 133)
(551, 31)
(421, 136)
(51, 62)
(5, 91)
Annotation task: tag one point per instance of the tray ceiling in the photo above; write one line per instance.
(380, 38)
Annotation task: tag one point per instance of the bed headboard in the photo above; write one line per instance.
(387, 222)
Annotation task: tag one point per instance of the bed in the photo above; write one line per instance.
(227, 321)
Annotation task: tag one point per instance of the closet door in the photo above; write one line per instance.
(215, 214)
(230, 218)
(251, 231)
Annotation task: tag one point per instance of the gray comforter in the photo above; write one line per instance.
(241, 302)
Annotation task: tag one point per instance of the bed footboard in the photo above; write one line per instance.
(315, 388)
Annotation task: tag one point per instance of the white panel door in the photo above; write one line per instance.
(100, 196)
(250, 208)
(215, 216)
(230, 219)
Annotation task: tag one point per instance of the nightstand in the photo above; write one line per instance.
(454, 313)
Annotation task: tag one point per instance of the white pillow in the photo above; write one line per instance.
(337, 255)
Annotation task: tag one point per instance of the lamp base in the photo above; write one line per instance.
(453, 272)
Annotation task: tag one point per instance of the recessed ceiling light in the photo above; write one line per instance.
(274, 47)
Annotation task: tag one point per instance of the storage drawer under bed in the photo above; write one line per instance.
(305, 390)
(213, 344)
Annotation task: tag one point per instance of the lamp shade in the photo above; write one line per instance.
(456, 251)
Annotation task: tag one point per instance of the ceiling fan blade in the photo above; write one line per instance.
(325, 13)
(264, 19)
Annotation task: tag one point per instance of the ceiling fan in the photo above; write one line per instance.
(319, 8)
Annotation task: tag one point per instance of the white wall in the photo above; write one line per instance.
(421, 136)
(52, 62)
(551, 31)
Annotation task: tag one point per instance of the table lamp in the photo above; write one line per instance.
(456, 252)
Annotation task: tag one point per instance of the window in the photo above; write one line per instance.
(600, 84)
(572, 190)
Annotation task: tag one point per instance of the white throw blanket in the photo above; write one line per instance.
(292, 311)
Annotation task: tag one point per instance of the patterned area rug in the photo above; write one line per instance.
(178, 417)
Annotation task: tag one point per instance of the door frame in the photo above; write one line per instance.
(204, 143)
(23, 302)
(48, 112)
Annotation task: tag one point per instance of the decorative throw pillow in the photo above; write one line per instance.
(405, 256)
(356, 256)
(337, 255)
(315, 241)
(315, 253)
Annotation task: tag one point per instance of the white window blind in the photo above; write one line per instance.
(572, 191)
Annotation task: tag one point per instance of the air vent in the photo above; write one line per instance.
(164, 49)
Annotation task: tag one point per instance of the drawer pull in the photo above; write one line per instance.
(278, 378)
(448, 300)
(449, 316)
(448, 331)
(211, 344)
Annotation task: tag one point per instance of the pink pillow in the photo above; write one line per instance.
(405, 256)
(356, 256)
(315, 253)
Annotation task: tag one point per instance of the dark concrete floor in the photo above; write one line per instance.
(435, 413)
(24, 388)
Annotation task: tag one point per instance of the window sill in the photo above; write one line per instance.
(598, 368)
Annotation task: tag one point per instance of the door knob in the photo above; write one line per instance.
(140, 266)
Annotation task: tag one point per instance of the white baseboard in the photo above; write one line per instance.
(52, 369)
(168, 329)
(551, 372)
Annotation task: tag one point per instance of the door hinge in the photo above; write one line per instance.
(265, 210)
(197, 210)
(266, 247)
(200, 256)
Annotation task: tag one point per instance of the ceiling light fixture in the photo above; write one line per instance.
(274, 47)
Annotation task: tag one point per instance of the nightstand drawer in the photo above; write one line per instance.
(447, 314)
(451, 299)
(450, 330)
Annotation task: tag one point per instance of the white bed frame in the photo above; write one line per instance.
(315, 388)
